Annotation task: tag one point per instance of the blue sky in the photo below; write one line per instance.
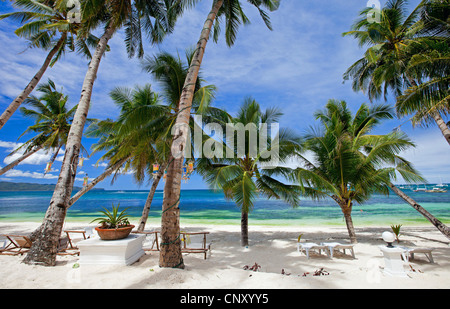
(298, 66)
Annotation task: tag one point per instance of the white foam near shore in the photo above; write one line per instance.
(274, 249)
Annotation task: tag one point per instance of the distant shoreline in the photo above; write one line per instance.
(7, 186)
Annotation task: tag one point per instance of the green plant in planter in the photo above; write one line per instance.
(396, 230)
(114, 219)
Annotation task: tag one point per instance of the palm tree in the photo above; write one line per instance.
(392, 44)
(385, 60)
(114, 14)
(140, 136)
(132, 142)
(246, 173)
(232, 11)
(430, 64)
(46, 26)
(53, 120)
(350, 163)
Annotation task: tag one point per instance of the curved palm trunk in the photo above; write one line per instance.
(44, 248)
(438, 224)
(100, 178)
(32, 84)
(244, 229)
(437, 117)
(442, 126)
(149, 200)
(347, 211)
(170, 255)
(17, 161)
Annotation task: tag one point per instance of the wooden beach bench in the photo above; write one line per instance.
(189, 242)
(76, 232)
(153, 244)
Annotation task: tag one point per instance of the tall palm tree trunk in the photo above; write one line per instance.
(149, 200)
(170, 246)
(442, 126)
(100, 178)
(32, 84)
(437, 223)
(17, 161)
(170, 255)
(244, 229)
(346, 208)
(44, 248)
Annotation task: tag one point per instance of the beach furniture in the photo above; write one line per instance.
(308, 246)
(65, 245)
(82, 235)
(20, 244)
(195, 243)
(190, 242)
(151, 242)
(408, 253)
(338, 246)
(15, 244)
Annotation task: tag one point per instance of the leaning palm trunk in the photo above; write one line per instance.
(44, 248)
(436, 116)
(442, 126)
(17, 161)
(438, 224)
(32, 84)
(170, 255)
(100, 178)
(347, 211)
(149, 200)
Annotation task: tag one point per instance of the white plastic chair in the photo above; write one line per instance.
(409, 252)
(336, 246)
(307, 246)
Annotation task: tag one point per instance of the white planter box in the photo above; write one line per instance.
(126, 251)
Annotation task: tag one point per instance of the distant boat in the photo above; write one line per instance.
(441, 185)
(421, 189)
(436, 190)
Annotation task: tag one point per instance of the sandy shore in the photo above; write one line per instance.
(273, 248)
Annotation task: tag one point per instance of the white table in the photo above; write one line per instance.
(95, 251)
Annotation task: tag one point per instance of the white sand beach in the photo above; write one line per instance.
(273, 248)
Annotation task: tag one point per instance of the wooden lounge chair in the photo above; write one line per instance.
(71, 239)
(153, 244)
(191, 243)
(20, 244)
(16, 244)
(308, 246)
(338, 246)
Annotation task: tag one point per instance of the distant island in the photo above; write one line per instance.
(23, 186)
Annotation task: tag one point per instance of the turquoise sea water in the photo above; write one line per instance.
(208, 207)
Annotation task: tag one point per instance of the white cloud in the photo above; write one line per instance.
(27, 174)
(102, 164)
(40, 157)
(431, 156)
